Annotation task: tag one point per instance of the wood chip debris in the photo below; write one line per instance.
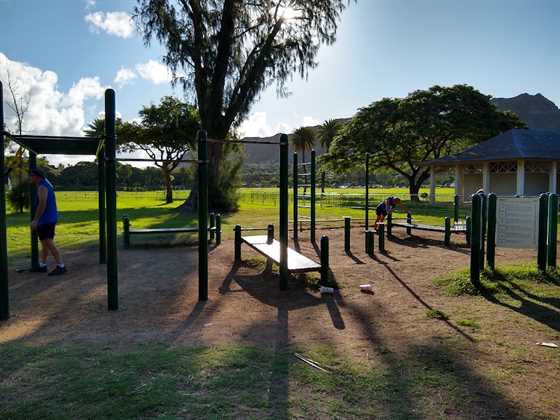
(551, 345)
(311, 362)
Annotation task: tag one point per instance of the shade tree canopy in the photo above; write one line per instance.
(402, 134)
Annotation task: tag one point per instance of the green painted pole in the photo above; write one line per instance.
(325, 260)
(370, 241)
(313, 194)
(552, 229)
(347, 233)
(4, 289)
(202, 216)
(408, 222)
(126, 231)
(101, 204)
(447, 234)
(542, 239)
(237, 243)
(468, 228)
(483, 226)
(218, 229)
(33, 209)
(212, 226)
(111, 179)
(283, 235)
(456, 202)
(295, 188)
(381, 233)
(367, 194)
(389, 225)
(491, 240)
(476, 232)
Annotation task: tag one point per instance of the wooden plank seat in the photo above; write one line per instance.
(214, 229)
(297, 263)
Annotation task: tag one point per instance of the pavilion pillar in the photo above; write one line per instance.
(553, 178)
(520, 178)
(432, 184)
(486, 177)
(4, 290)
(459, 182)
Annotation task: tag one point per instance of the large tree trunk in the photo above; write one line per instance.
(415, 182)
(168, 185)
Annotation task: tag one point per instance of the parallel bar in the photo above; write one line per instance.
(552, 229)
(491, 240)
(542, 239)
(475, 239)
(284, 212)
(33, 209)
(4, 289)
(295, 189)
(313, 194)
(101, 204)
(202, 217)
(111, 178)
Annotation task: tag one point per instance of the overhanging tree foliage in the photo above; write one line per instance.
(225, 52)
(401, 134)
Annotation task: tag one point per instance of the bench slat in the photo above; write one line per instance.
(297, 263)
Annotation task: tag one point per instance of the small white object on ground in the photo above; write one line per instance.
(366, 287)
(328, 290)
(551, 345)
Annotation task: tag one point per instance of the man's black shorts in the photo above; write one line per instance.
(46, 231)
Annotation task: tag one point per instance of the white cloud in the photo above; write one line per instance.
(257, 125)
(114, 23)
(124, 76)
(90, 4)
(310, 122)
(154, 71)
(51, 111)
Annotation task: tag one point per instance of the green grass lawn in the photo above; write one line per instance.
(258, 207)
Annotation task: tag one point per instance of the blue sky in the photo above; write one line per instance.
(384, 48)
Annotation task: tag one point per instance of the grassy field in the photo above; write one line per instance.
(258, 207)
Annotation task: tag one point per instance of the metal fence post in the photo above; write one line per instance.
(468, 229)
(325, 260)
(543, 222)
(552, 229)
(381, 233)
(218, 229)
(483, 227)
(491, 240)
(408, 222)
(347, 227)
(313, 194)
(283, 236)
(270, 234)
(33, 208)
(101, 203)
(237, 244)
(202, 216)
(456, 201)
(367, 194)
(295, 189)
(447, 235)
(370, 241)
(475, 239)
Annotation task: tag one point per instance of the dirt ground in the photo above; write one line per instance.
(158, 304)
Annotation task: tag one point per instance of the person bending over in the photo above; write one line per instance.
(384, 208)
(44, 222)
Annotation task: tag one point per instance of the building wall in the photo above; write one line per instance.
(536, 183)
(503, 184)
(472, 183)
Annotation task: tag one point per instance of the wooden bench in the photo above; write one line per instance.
(214, 229)
(447, 229)
(267, 246)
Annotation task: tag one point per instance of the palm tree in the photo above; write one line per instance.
(303, 139)
(327, 132)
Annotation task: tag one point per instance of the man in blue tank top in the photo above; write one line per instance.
(44, 222)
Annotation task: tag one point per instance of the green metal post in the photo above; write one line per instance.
(323, 182)
(468, 229)
(202, 216)
(126, 231)
(33, 208)
(212, 226)
(483, 227)
(111, 192)
(111, 179)
(4, 290)
(325, 260)
(367, 194)
(313, 195)
(543, 222)
(408, 222)
(381, 233)
(218, 229)
(283, 236)
(370, 241)
(389, 225)
(347, 227)
(270, 234)
(447, 235)
(101, 204)
(476, 219)
(456, 202)
(237, 243)
(491, 239)
(295, 188)
(552, 229)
